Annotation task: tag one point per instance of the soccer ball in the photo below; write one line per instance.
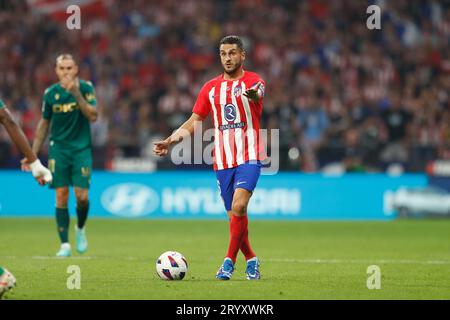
(171, 265)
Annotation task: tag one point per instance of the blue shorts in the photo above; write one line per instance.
(244, 176)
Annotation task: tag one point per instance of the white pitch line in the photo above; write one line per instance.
(62, 258)
(305, 261)
(355, 261)
(58, 258)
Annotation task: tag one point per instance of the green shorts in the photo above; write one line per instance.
(70, 168)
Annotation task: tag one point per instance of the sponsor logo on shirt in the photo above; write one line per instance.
(232, 126)
(237, 91)
(66, 107)
(230, 112)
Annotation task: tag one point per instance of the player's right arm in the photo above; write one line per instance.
(39, 137)
(199, 113)
(40, 134)
(88, 109)
(41, 131)
(161, 148)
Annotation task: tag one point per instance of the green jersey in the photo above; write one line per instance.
(2, 105)
(70, 129)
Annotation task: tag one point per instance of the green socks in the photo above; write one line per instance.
(82, 213)
(62, 221)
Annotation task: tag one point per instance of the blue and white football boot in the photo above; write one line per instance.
(252, 270)
(226, 270)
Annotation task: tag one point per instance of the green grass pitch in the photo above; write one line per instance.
(299, 260)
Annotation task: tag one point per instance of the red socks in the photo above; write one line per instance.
(245, 246)
(239, 238)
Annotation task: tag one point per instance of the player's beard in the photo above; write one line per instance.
(233, 71)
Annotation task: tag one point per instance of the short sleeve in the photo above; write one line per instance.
(46, 108)
(2, 105)
(202, 105)
(89, 94)
(262, 87)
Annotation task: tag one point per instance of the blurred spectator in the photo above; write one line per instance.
(337, 91)
(396, 120)
(354, 152)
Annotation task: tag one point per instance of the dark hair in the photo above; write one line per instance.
(232, 40)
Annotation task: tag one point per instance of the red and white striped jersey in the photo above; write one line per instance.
(236, 119)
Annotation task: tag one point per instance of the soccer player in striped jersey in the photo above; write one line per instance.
(235, 100)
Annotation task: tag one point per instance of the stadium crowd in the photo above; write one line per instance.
(337, 91)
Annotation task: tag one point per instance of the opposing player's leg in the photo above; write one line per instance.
(82, 213)
(81, 177)
(63, 221)
(59, 163)
(7, 281)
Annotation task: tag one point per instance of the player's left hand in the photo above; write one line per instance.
(253, 92)
(71, 84)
